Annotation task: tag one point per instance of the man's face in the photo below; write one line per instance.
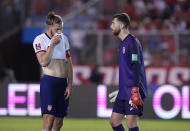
(115, 27)
(56, 28)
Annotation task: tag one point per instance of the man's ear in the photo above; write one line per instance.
(122, 26)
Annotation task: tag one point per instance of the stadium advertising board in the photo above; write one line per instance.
(178, 104)
(90, 101)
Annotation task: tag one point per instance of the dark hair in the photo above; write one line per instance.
(124, 18)
(52, 19)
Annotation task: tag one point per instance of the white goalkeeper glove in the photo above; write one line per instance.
(113, 96)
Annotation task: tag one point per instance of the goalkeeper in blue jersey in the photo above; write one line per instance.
(132, 79)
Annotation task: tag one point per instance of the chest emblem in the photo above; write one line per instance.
(123, 50)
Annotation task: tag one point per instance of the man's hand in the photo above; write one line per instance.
(136, 97)
(55, 39)
(113, 96)
(67, 92)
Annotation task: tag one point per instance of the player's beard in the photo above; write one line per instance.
(52, 33)
(116, 32)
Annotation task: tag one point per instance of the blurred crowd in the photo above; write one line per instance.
(161, 26)
(173, 15)
(10, 13)
(155, 23)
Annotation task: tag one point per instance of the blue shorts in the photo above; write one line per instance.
(52, 97)
(123, 107)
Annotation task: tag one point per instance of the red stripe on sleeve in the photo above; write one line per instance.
(40, 51)
(68, 54)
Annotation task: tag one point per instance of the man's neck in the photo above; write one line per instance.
(123, 34)
(49, 33)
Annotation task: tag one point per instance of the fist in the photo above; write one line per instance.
(55, 39)
(136, 98)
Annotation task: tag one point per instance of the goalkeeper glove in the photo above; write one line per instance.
(113, 96)
(136, 97)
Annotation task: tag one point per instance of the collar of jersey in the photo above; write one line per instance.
(47, 36)
(125, 39)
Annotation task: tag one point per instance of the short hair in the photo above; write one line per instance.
(124, 18)
(52, 19)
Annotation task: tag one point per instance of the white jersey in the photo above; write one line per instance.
(42, 42)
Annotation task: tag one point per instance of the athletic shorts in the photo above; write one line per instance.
(123, 107)
(52, 97)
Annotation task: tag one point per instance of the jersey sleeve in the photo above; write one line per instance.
(134, 52)
(38, 45)
(135, 61)
(67, 47)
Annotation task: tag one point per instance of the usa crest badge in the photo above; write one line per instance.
(49, 108)
(123, 50)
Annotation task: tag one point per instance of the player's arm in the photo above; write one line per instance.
(135, 62)
(136, 65)
(69, 67)
(44, 57)
(70, 75)
(70, 70)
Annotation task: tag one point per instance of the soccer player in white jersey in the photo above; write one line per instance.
(52, 51)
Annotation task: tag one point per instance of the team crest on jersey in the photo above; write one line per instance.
(49, 108)
(123, 50)
(38, 46)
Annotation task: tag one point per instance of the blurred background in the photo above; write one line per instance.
(162, 26)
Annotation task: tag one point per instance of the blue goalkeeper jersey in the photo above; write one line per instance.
(131, 68)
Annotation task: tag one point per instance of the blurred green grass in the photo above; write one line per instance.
(35, 124)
